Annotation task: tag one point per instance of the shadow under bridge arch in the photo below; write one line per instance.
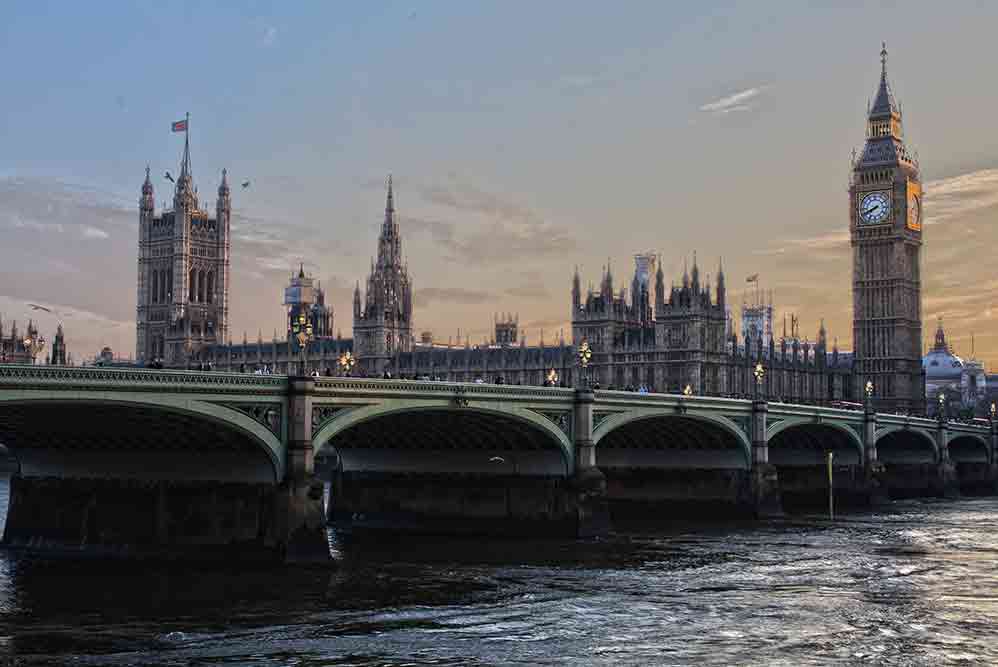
(433, 440)
(118, 437)
(806, 443)
(671, 441)
(905, 446)
(968, 449)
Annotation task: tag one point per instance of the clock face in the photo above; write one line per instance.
(914, 212)
(874, 207)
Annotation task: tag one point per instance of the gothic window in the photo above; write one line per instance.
(192, 286)
(155, 286)
(211, 287)
(201, 286)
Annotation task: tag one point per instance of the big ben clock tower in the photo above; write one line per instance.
(885, 225)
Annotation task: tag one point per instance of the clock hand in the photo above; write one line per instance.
(871, 209)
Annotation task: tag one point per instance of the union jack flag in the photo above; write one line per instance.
(179, 126)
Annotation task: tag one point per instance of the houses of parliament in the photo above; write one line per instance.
(645, 336)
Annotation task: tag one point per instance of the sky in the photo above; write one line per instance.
(524, 139)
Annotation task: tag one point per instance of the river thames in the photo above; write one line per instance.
(915, 583)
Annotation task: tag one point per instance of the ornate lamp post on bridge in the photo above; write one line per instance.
(346, 363)
(760, 375)
(941, 416)
(301, 330)
(552, 378)
(868, 392)
(584, 353)
(688, 390)
(33, 346)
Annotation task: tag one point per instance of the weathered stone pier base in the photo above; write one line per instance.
(649, 494)
(914, 480)
(807, 487)
(977, 479)
(159, 519)
(465, 505)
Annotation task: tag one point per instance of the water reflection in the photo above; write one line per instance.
(911, 585)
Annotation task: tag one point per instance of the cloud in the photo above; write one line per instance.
(946, 200)
(494, 230)
(950, 198)
(94, 233)
(533, 287)
(733, 103)
(423, 297)
(86, 331)
(269, 36)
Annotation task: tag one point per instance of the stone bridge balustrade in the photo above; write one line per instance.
(159, 458)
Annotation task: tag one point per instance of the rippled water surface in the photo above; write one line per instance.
(914, 584)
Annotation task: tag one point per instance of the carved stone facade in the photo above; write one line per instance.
(183, 272)
(885, 224)
(382, 320)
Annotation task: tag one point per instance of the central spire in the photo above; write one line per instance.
(185, 181)
(884, 103)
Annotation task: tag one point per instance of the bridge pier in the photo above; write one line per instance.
(946, 482)
(299, 520)
(588, 482)
(873, 470)
(763, 493)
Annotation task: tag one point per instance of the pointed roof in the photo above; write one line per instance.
(185, 181)
(223, 187)
(884, 103)
(147, 184)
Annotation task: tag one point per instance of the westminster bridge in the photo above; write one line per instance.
(129, 460)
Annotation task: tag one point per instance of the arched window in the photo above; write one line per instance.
(201, 286)
(211, 287)
(192, 286)
(155, 287)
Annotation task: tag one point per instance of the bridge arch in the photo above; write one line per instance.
(905, 445)
(106, 434)
(444, 438)
(658, 439)
(803, 441)
(968, 448)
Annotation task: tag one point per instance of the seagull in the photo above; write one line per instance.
(35, 306)
(246, 184)
(497, 459)
(169, 178)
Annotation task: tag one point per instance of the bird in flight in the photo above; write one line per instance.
(497, 459)
(169, 178)
(35, 306)
(246, 184)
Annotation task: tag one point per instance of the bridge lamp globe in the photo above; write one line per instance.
(869, 388)
(585, 353)
(552, 378)
(347, 362)
(688, 390)
(759, 373)
(994, 409)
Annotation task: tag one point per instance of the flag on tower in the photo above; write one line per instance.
(754, 278)
(179, 126)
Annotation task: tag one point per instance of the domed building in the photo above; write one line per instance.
(962, 381)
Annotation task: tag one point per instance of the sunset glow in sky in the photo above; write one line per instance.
(524, 139)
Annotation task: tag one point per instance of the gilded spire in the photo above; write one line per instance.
(884, 102)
